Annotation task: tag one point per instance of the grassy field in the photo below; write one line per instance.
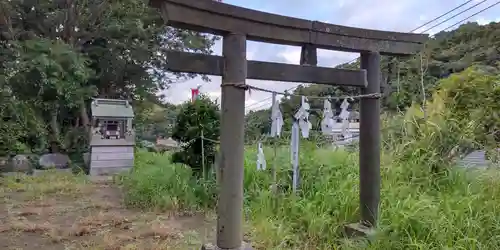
(453, 210)
(160, 206)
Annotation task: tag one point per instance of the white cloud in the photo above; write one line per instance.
(291, 55)
(483, 21)
(213, 94)
(341, 3)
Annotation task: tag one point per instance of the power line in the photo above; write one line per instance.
(263, 103)
(447, 19)
(436, 18)
(479, 12)
(255, 103)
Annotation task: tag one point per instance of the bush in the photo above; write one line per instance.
(156, 183)
(464, 114)
(194, 119)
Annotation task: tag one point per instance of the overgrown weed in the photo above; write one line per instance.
(418, 211)
(156, 183)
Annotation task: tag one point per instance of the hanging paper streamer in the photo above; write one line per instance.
(294, 148)
(327, 123)
(302, 116)
(261, 158)
(344, 115)
(277, 120)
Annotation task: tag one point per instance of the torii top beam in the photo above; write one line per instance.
(220, 18)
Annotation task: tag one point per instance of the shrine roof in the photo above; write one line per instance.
(112, 108)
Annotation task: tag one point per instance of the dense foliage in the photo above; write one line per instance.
(197, 119)
(57, 55)
(462, 115)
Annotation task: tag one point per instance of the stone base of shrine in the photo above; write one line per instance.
(356, 230)
(244, 246)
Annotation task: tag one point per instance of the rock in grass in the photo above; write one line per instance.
(56, 160)
(21, 163)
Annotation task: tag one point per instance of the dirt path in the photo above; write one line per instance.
(63, 212)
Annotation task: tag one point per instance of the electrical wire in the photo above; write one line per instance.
(475, 14)
(447, 19)
(263, 103)
(436, 18)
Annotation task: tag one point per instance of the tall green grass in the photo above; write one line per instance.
(156, 183)
(455, 210)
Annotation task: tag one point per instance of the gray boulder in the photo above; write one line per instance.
(56, 160)
(21, 163)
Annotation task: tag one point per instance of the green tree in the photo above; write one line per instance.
(195, 118)
(84, 49)
(257, 123)
(52, 76)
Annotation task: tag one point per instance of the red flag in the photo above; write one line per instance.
(194, 94)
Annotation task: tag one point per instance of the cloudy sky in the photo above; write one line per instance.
(402, 16)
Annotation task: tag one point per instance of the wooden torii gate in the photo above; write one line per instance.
(237, 25)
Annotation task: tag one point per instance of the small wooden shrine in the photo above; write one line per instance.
(113, 138)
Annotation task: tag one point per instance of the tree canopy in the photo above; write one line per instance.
(196, 121)
(57, 55)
